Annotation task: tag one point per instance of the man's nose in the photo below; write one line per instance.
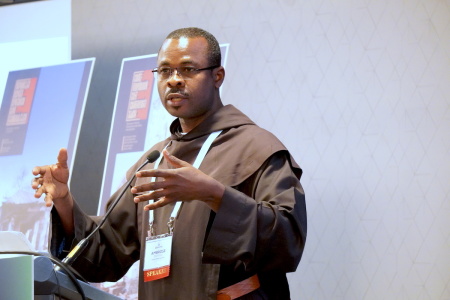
(175, 78)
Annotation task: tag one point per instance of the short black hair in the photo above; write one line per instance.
(214, 54)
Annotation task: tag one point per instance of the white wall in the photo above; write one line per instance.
(359, 91)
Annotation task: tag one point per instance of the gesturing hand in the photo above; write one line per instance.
(52, 179)
(182, 183)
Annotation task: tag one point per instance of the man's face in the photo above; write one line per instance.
(193, 98)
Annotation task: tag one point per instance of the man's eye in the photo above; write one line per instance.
(164, 70)
(188, 70)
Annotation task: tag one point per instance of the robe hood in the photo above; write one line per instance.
(229, 159)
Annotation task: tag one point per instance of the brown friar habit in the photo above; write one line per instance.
(260, 227)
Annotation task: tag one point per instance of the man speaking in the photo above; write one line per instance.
(219, 215)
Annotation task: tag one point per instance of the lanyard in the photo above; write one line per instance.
(200, 156)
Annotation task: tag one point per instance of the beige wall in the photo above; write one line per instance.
(360, 93)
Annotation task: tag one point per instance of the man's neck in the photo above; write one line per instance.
(189, 124)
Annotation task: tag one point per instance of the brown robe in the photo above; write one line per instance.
(259, 228)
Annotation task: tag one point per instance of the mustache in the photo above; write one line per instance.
(177, 91)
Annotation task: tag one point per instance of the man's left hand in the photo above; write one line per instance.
(182, 183)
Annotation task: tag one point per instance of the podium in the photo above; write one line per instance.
(36, 277)
(19, 281)
(49, 284)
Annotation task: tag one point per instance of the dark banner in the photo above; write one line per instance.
(16, 109)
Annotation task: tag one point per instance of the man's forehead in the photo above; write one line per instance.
(187, 47)
(181, 43)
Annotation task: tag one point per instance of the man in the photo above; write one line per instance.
(242, 218)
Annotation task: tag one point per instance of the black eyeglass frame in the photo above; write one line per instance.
(155, 71)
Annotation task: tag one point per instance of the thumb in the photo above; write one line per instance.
(62, 158)
(174, 161)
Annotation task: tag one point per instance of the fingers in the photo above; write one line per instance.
(160, 197)
(174, 161)
(36, 183)
(153, 195)
(151, 186)
(157, 204)
(51, 180)
(154, 173)
(62, 162)
(37, 193)
(159, 201)
(162, 191)
(36, 171)
(48, 200)
(37, 186)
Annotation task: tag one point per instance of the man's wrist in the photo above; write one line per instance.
(217, 194)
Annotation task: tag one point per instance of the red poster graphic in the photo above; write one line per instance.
(137, 110)
(20, 109)
(139, 100)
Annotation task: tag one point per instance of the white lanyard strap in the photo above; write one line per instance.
(198, 160)
(205, 147)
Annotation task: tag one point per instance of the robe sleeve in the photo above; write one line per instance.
(261, 223)
(110, 252)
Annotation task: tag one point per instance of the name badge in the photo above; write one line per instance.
(157, 257)
(158, 248)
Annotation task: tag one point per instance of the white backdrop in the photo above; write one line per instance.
(359, 91)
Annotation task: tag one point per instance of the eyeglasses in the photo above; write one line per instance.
(188, 72)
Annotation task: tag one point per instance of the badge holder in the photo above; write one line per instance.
(158, 248)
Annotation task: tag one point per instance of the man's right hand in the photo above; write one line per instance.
(52, 180)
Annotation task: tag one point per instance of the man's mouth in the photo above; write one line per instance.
(175, 98)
